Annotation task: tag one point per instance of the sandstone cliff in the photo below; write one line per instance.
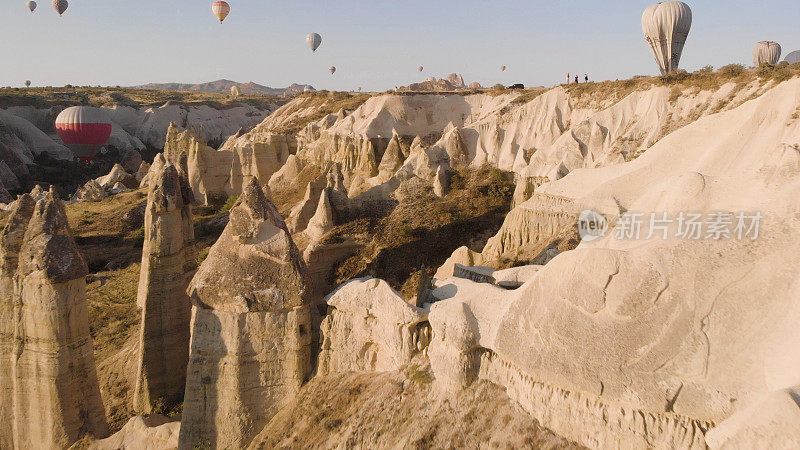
(251, 331)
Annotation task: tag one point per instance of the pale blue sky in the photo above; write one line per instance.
(374, 44)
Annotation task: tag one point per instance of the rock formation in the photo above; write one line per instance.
(441, 182)
(90, 192)
(5, 197)
(226, 171)
(49, 385)
(251, 335)
(117, 175)
(168, 263)
(369, 326)
(653, 341)
(322, 222)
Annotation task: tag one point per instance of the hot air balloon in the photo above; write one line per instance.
(221, 10)
(31, 5)
(793, 58)
(314, 41)
(27, 83)
(502, 68)
(666, 26)
(332, 69)
(766, 52)
(235, 91)
(84, 129)
(420, 68)
(60, 6)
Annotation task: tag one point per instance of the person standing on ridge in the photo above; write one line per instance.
(576, 79)
(586, 77)
(568, 78)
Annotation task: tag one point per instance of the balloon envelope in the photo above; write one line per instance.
(793, 57)
(60, 6)
(503, 68)
(332, 70)
(27, 83)
(84, 129)
(31, 5)
(666, 26)
(314, 41)
(420, 68)
(766, 52)
(221, 10)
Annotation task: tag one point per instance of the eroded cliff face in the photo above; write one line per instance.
(168, 264)
(226, 171)
(48, 379)
(369, 326)
(651, 341)
(251, 328)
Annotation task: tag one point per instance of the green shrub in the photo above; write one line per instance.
(230, 203)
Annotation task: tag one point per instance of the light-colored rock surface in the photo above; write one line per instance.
(251, 329)
(228, 170)
(53, 397)
(322, 222)
(154, 432)
(649, 342)
(168, 263)
(769, 422)
(26, 140)
(92, 191)
(369, 326)
(118, 174)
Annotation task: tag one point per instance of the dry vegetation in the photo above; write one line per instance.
(705, 79)
(47, 97)
(424, 229)
(402, 410)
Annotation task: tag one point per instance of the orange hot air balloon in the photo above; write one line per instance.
(221, 10)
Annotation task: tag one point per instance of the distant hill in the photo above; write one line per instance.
(224, 87)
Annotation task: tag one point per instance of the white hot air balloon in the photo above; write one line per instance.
(31, 5)
(235, 91)
(766, 52)
(314, 40)
(793, 58)
(666, 26)
(420, 69)
(332, 70)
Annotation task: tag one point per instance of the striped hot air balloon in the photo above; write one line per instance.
(221, 10)
(60, 6)
(84, 129)
(766, 52)
(332, 70)
(666, 27)
(31, 5)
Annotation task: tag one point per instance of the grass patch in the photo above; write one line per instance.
(425, 229)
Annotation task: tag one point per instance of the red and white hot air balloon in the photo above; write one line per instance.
(221, 10)
(84, 129)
